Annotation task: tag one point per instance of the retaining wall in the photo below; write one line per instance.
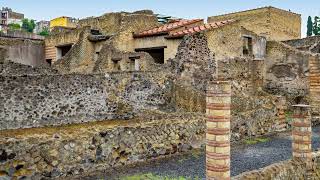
(73, 149)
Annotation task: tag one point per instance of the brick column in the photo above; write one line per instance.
(218, 130)
(301, 133)
(281, 124)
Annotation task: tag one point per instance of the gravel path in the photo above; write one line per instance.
(243, 158)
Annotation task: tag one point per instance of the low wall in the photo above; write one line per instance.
(21, 34)
(284, 170)
(73, 149)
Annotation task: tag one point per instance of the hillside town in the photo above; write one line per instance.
(140, 95)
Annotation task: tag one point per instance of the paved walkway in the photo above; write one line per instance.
(244, 158)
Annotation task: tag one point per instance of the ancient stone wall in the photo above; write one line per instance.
(291, 169)
(9, 68)
(70, 150)
(284, 25)
(24, 51)
(63, 38)
(275, 24)
(122, 25)
(111, 59)
(311, 44)
(286, 71)
(80, 58)
(42, 100)
(227, 42)
(171, 45)
(194, 64)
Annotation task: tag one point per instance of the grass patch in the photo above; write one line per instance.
(288, 115)
(256, 140)
(150, 176)
(250, 141)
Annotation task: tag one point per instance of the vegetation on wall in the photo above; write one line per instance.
(44, 32)
(14, 26)
(28, 25)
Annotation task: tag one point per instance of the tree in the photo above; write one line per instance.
(316, 26)
(309, 26)
(14, 26)
(28, 25)
(44, 32)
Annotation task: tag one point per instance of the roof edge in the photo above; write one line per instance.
(139, 35)
(255, 9)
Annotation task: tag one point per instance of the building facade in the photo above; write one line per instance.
(63, 21)
(7, 16)
(41, 26)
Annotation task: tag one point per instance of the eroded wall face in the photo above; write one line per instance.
(225, 42)
(36, 101)
(24, 51)
(272, 23)
(171, 45)
(60, 39)
(287, 71)
(284, 25)
(311, 44)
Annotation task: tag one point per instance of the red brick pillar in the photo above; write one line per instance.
(301, 133)
(218, 130)
(281, 124)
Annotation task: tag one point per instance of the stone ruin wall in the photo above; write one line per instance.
(287, 70)
(291, 169)
(80, 58)
(56, 125)
(24, 51)
(62, 38)
(272, 23)
(90, 147)
(42, 100)
(257, 83)
(122, 25)
(151, 105)
(311, 44)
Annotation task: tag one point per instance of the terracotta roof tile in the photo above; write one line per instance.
(204, 27)
(166, 28)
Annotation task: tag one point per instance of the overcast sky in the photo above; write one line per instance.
(46, 10)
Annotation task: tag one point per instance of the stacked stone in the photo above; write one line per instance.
(301, 133)
(218, 130)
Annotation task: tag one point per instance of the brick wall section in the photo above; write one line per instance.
(218, 130)
(281, 103)
(314, 79)
(301, 134)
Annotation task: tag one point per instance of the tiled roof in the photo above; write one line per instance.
(166, 28)
(195, 29)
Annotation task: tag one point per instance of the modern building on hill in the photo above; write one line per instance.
(7, 16)
(41, 26)
(270, 22)
(63, 21)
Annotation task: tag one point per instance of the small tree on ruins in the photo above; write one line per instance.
(309, 26)
(316, 26)
(28, 25)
